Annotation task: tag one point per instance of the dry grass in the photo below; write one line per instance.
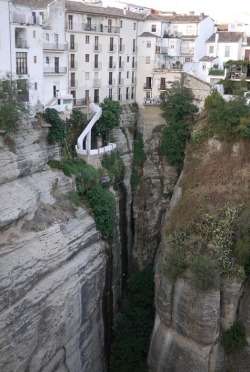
(214, 177)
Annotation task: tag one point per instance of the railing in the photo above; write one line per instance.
(73, 83)
(111, 82)
(97, 66)
(112, 48)
(97, 82)
(54, 46)
(96, 27)
(73, 46)
(26, 19)
(187, 50)
(83, 146)
(54, 70)
(82, 101)
(162, 87)
(147, 86)
(21, 43)
(216, 72)
(23, 97)
(152, 101)
(73, 66)
(97, 48)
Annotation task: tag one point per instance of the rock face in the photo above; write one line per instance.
(52, 267)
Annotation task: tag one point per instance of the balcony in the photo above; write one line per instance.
(147, 86)
(96, 99)
(73, 65)
(112, 48)
(97, 82)
(25, 19)
(55, 70)
(89, 27)
(82, 102)
(73, 47)
(162, 87)
(112, 66)
(22, 44)
(121, 48)
(188, 51)
(23, 97)
(97, 66)
(73, 83)
(216, 72)
(97, 48)
(55, 47)
(111, 82)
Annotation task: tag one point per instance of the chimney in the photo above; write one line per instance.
(124, 11)
(202, 16)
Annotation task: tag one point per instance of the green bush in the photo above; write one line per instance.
(139, 154)
(114, 164)
(133, 326)
(206, 273)
(234, 339)
(111, 112)
(175, 264)
(58, 130)
(102, 202)
(173, 142)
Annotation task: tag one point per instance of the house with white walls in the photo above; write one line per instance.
(5, 39)
(102, 53)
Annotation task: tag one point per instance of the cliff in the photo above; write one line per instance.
(53, 264)
(201, 285)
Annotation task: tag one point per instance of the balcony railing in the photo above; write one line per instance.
(112, 66)
(216, 72)
(73, 83)
(187, 51)
(26, 19)
(54, 46)
(97, 82)
(73, 65)
(97, 48)
(97, 65)
(111, 82)
(96, 27)
(112, 48)
(23, 97)
(96, 99)
(21, 44)
(162, 87)
(54, 70)
(73, 46)
(147, 86)
(121, 48)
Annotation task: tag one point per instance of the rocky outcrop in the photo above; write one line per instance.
(52, 267)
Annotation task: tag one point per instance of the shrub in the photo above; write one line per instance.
(58, 130)
(102, 202)
(114, 164)
(206, 274)
(234, 339)
(111, 111)
(175, 264)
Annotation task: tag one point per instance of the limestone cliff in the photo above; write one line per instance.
(190, 320)
(53, 264)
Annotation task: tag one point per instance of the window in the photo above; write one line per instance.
(153, 28)
(72, 61)
(72, 79)
(211, 49)
(127, 58)
(96, 63)
(41, 15)
(227, 51)
(70, 22)
(119, 94)
(134, 26)
(111, 44)
(47, 36)
(132, 93)
(87, 39)
(88, 25)
(120, 45)
(110, 78)
(110, 62)
(96, 95)
(134, 47)
(110, 93)
(120, 62)
(47, 60)
(96, 42)
(86, 57)
(127, 93)
(133, 62)
(109, 25)
(86, 75)
(127, 74)
(120, 78)
(148, 45)
(204, 66)
(147, 59)
(172, 46)
(35, 59)
(21, 63)
(72, 42)
(133, 77)
(56, 61)
(34, 34)
(35, 86)
(120, 23)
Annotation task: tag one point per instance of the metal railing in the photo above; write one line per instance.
(54, 46)
(54, 70)
(20, 43)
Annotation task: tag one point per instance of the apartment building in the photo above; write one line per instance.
(102, 53)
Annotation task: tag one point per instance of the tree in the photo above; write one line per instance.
(178, 109)
(11, 108)
(111, 111)
(178, 101)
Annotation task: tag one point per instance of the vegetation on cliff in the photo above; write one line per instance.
(208, 230)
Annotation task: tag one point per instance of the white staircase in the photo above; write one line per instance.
(83, 146)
